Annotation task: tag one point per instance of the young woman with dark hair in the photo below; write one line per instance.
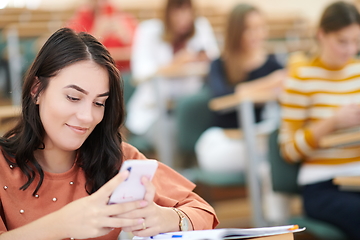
(59, 165)
(322, 95)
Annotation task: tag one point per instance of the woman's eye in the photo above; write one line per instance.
(99, 104)
(73, 99)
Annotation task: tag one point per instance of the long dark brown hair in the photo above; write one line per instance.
(168, 31)
(100, 155)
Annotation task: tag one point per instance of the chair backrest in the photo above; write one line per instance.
(129, 88)
(193, 117)
(283, 174)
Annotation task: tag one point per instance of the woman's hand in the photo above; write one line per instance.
(91, 216)
(157, 219)
(347, 116)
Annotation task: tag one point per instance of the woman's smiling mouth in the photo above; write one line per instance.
(79, 130)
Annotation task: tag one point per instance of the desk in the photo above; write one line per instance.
(286, 236)
(9, 112)
(349, 183)
(245, 108)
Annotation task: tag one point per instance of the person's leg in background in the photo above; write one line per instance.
(326, 202)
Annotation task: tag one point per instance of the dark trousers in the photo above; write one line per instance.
(324, 201)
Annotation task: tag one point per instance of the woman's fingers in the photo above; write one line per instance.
(150, 189)
(108, 188)
(114, 222)
(138, 227)
(123, 208)
(146, 232)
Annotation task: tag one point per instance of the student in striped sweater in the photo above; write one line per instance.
(322, 95)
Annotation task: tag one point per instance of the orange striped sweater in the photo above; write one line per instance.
(314, 92)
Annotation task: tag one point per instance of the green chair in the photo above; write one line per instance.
(129, 87)
(284, 180)
(193, 117)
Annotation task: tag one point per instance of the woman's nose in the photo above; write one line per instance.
(85, 113)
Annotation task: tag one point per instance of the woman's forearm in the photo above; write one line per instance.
(322, 128)
(45, 228)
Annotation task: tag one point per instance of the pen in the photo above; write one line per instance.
(295, 227)
(165, 236)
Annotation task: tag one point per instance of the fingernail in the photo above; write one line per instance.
(144, 179)
(141, 220)
(143, 203)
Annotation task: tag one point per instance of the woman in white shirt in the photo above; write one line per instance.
(160, 46)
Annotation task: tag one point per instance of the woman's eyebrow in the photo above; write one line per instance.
(86, 92)
(77, 88)
(103, 94)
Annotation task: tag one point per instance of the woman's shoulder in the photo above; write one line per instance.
(217, 62)
(5, 167)
(201, 20)
(202, 26)
(152, 27)
(131, 152)
(216, 67)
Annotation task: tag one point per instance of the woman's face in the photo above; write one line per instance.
(181, 19)
(255, 31)
(73, 104)
(340, 46)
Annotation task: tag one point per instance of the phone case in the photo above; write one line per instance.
(132, 189)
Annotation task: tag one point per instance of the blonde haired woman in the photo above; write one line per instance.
(243, 66)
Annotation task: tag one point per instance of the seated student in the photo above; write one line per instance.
(322, 95)
(114, 28)
(244, 67)
(159, 46)
(59, 165)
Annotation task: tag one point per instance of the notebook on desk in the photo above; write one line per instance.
(265, 233)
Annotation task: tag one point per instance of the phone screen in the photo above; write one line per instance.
(131, 189)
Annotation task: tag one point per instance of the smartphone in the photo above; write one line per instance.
(131, 189)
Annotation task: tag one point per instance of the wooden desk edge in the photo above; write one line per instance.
(347, 181)
(285, 236)
(9, 111)
(338, 139)
(232, 100)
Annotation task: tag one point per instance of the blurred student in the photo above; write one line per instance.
(322, 95)
(243, 67)
(177, 40)
(114, 28)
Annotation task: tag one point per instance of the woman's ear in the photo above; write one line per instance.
(35, 91)
(320, 35)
